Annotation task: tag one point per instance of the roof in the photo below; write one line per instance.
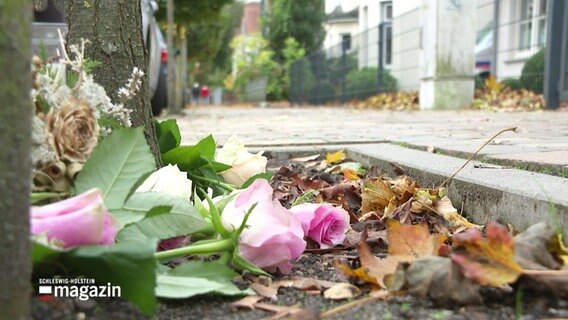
(339, 15)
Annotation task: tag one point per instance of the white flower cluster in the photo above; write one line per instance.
(72, 112)
(132, 85)
(53, 89)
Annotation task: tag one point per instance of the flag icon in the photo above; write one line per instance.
(44, 289)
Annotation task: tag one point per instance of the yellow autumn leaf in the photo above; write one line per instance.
(350, 174)
(335, 157)
(490, 261)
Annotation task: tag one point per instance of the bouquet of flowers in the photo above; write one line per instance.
(72, 113)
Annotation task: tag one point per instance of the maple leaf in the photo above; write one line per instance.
(488, 261)
(335, 157)
(413, 240)
(406, 243)
(372, 269)
(376, 195)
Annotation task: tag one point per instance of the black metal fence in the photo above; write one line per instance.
(352, 69)
(511, 41)
(509, 38)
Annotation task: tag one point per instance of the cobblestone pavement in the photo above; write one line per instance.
(541, 137)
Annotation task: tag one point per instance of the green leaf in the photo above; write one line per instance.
(168, 135)
(198, 277)
(115, 166)
(130, 265)
(186, 157)
(182, 218)
(207, 147)
(265, 175)
(220, 167)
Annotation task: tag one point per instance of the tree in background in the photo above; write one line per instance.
(252, 59)
(302, 22)
(209, 45)
(15, 162)
(119, 47)
(208, 28)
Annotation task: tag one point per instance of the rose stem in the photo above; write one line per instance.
(206, 248)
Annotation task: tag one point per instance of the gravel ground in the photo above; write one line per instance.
(497, 306)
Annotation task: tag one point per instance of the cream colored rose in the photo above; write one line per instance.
(72, 130)
(244, 164)
(168, 179)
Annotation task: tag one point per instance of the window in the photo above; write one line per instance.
(386, 18)
(386, 11)
(532, 24)
(346, 41)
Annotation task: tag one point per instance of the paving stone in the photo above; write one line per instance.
(552, 157)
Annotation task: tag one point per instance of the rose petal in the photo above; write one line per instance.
(80, 220)
(274, 235)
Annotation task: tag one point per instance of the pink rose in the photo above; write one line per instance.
(173, 243)
(80, 220)
(323, 223)
(274, 235)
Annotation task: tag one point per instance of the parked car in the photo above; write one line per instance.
(484, 52)
(50, 18)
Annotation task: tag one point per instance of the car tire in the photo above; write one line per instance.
(160, 98)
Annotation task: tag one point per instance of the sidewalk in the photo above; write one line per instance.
(540, 143)
(486, 192)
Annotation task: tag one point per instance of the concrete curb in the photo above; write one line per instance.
(517, 197)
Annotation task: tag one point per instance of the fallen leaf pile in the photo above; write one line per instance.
(412, 240)
(496, 96)
(395, 101)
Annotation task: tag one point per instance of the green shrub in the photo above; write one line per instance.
(362, 83)
(513, 83)
(479, 82)
(532, 76)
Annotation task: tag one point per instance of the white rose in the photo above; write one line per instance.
(244, 164)
(168, 179)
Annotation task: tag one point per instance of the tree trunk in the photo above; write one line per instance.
(114, 29)
(15, 163)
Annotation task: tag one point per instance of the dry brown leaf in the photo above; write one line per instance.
(265, 291)
(445, 208)
(335, 157)
(488, 261)
(288, 312)
(247, 302)
(540, 248)
(376, 195)
(342, 291)
(438, 279)
(413, 240)
(306, 284)
(372, 270)
(306, 158)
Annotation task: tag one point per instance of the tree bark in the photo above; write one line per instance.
(114, 29)
(15, 163)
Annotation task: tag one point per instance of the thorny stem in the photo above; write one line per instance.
(513, 129)
(223, 245)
